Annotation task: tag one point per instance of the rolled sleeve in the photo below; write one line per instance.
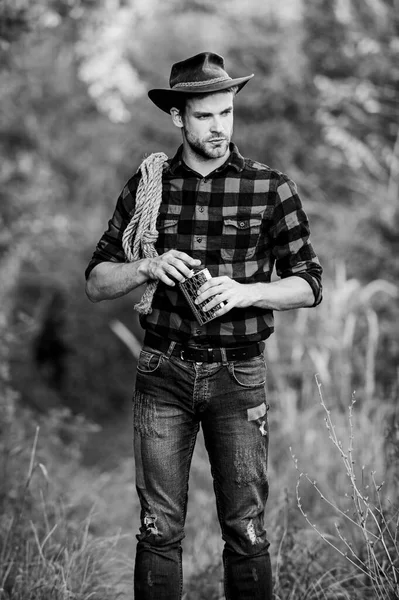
(292, 249)
(109, 247)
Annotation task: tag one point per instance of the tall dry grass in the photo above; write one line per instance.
(58, 540)
(49, 546)
(340, 340)
(346, 546)
(60, 520)
(367, 515)
(334, 534)
(55, 542)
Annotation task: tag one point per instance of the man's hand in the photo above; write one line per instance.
(284, 294)
(170, 267)
(110, 280)
(220, 289)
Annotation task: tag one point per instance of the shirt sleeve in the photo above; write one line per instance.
(109, 247)
(293, 251)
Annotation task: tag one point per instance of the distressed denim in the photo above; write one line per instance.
(172, 398)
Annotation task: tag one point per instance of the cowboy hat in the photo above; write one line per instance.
(201, 74)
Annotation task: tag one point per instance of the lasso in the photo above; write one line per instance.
(141, 234)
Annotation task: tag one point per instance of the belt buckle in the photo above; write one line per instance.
(182, 355)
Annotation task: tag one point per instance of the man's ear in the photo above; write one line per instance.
(176, 117)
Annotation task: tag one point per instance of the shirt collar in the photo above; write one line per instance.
(235, 161)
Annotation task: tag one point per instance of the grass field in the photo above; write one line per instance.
(69, 521)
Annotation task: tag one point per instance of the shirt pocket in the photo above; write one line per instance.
(240, 237)
(167, 234)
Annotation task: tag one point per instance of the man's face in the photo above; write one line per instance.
(208, 124)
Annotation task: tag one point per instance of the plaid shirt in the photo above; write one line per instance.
(240, 221)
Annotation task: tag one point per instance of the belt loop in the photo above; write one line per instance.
(224, 356)
(169, 351)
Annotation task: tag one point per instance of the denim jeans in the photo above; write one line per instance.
(172, 398)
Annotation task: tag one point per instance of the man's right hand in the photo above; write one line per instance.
(170, 267)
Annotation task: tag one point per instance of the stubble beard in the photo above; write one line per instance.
(205, 150)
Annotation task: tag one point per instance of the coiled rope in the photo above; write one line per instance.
(141, 234)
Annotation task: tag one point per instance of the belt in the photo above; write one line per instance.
(197, 354)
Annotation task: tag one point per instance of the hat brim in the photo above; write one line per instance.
(165, 99)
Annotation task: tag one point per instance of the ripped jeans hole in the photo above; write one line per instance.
(263, 427)
(257, 414)
(251, 533)
(150, 524)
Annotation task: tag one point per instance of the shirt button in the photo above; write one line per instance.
(241, 224)
(199, 240)
(201, 209)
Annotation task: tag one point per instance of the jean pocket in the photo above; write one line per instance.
(149, 362)
(249, 373)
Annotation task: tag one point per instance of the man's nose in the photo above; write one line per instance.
(216, 125)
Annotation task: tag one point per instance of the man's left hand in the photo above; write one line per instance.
(219, 289)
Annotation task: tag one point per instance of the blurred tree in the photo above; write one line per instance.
(75, 122)
(358, 91)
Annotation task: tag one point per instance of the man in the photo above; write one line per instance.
(238, 218)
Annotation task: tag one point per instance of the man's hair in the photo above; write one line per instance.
(181, 105)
